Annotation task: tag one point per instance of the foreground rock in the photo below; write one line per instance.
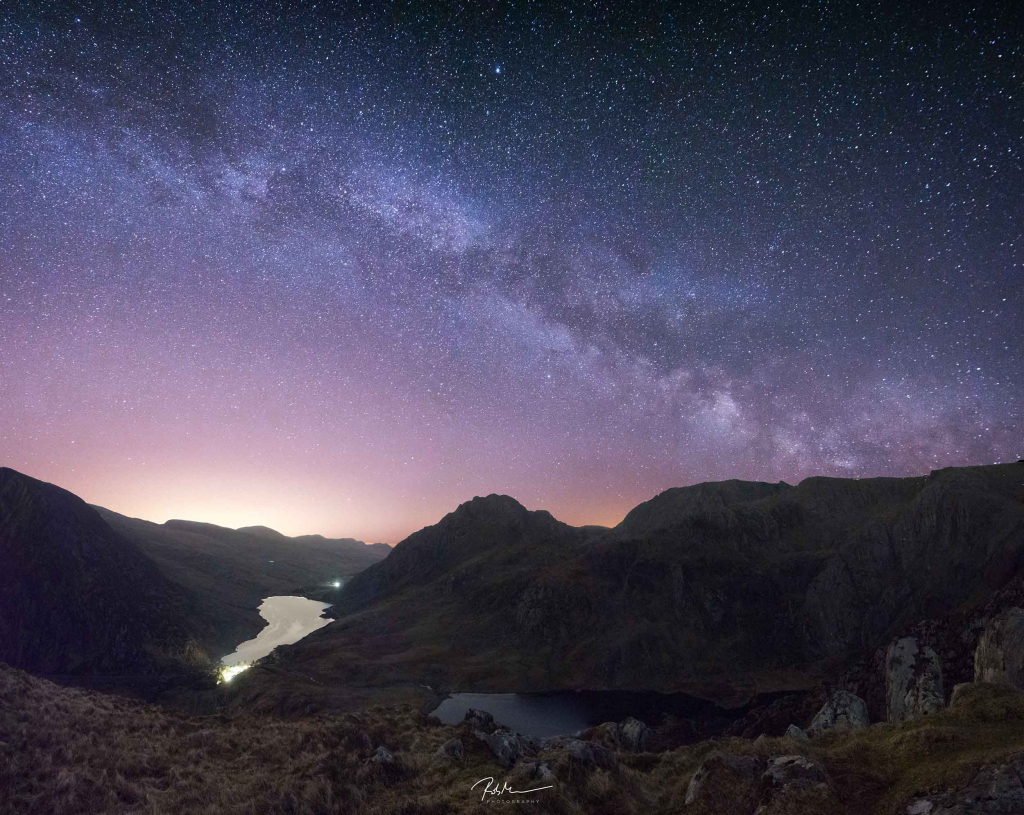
(537, 771)
(999, 657)
(724, 777)
(383, 768)
(479, 720)
(588, 754)
(795, 784)
(452, 750)
(507, 745)
(843, 710)
(994, 790)
(913, 680)
(629, 736)
(776, 785)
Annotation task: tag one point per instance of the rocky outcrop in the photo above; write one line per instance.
(795, 783)
(778, 784)
(725, 777)
(630, 735)
(507, 746)
(588, 754)
(795, 732)
(479, 720)
(384, 768)
(999, 657)
(950, 534)
(913, 680)
(994, 790)
(636, 736)
(537, 771)
(452, 750)
(843, 710)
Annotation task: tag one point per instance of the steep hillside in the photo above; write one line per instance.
(78, 598)
(721, 590)
(73, 751)
(228, 572)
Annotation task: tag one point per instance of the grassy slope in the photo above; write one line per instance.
(73, 751)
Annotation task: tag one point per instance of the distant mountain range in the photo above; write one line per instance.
(722, 590)
(84, 590)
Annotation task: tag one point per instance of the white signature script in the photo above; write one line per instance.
(491, 788)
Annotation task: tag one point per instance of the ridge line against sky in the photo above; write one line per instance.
(342, 269)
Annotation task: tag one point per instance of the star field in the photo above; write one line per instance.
(339, 268)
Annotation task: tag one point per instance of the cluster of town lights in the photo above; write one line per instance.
(231, 671)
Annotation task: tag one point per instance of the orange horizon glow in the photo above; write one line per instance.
(246, 500)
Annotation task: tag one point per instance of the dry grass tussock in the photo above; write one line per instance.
(65, 751)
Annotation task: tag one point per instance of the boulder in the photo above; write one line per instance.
(588, 754)
(629, 736)
(479, 720)
(796, 732)
(635, 736)
(538, 771)
(508, 746)
(452, 750)
(913, 680)
(783, 771)
(999, 657)
(844, 710)
(795, 783)
(995, 789)
(383, 756)
(988, 702)
(961, 692)
(723, 777)
(383, 768)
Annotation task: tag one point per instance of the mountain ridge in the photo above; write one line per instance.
(721, 590)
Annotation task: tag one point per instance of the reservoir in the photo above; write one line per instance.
(559, 713)
(289, 619)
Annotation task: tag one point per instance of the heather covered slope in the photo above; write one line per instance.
(228, 572)
(721, 590)
(78, 598)
(72, 751)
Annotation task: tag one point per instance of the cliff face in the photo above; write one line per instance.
(957, 538)
(76, 597)
(715, 589)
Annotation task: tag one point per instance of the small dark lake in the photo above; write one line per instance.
(565, 712)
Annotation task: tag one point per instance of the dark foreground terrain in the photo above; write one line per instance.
(65, 751)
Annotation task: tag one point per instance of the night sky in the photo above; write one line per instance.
(338, 271)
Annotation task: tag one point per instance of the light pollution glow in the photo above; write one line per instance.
(317, 272)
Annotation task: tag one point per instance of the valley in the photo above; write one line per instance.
(717, 629)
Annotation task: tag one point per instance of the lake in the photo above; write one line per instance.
(565, 712)
(289, 619)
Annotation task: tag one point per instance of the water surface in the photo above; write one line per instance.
(565, 712)
(289, 619)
